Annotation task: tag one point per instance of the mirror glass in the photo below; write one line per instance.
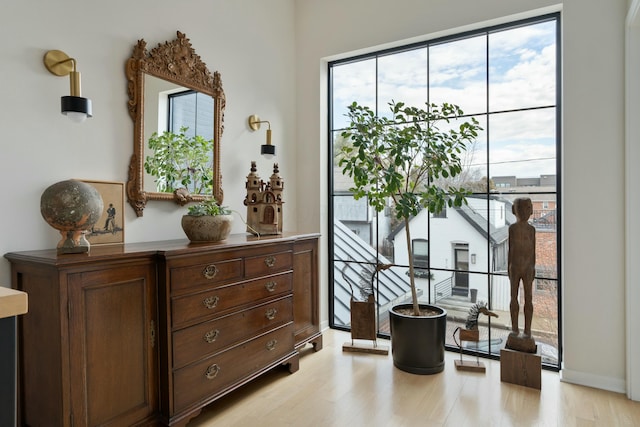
(177, 107)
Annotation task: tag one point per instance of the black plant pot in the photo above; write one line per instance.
(417, 343)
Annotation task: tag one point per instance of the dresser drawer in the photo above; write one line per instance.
(210, 272)
(210, 337)
(188, 308)
(216, 374)
(268, 263)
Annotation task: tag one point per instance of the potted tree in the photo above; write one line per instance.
(207, 222)
(409, 161)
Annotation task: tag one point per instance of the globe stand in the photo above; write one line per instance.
(73, 242)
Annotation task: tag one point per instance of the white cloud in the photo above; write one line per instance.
(522, 74)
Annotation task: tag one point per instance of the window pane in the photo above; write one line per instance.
(355, 81)
(402, 77)
(204, 116)
(474, 159)
(458, 74)
(523, 144)
(522, 70)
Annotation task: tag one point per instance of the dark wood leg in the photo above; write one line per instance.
(294, 363)
(317, 343)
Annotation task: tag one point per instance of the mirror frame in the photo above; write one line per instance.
(177, 62)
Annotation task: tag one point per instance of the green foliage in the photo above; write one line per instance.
(208, 207)
(180, 161)
(407, 159)
(402, 157)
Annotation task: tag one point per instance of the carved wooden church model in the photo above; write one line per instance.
(264, 202)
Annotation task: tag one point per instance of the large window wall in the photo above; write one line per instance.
(507, 77)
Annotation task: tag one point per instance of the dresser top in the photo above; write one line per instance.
(149, 249)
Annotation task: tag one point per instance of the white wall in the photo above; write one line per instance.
(250, 42)
(593, 144)
(632, 157)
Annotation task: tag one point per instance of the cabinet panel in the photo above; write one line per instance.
(306, 293)
(111, 339)
(44, 384)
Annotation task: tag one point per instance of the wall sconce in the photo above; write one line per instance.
(74, 106)
(473, 258)
(267, 149)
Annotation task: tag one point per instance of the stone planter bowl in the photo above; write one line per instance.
(207, 228)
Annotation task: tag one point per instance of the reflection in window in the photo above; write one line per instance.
(192, 110)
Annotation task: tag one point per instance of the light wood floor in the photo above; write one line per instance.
(339, 389)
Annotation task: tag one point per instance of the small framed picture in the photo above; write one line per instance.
(110, 227)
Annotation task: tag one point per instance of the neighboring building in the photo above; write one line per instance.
(370, 226)
(456, 248)
(512, 182)
(458, 242)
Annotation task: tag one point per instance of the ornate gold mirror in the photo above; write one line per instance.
(153, 78)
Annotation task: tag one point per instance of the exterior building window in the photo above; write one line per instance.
(508, 78)
(441, 214)
(421, 253)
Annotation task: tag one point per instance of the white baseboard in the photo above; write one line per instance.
(596, 381)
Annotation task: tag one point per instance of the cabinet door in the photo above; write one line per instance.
(112, 345)
(306, 316)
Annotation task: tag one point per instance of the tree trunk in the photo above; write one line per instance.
(414, 293)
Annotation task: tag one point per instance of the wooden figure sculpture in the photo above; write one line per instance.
(363, 315)
(522, 266)
(519, 363)
(471, 333)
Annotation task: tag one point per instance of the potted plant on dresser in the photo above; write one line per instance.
(207, 221)
(407, 160)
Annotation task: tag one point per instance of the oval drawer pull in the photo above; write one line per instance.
(271, 286)
(210, 271)
(271, 345)
(211, 302)
(271, 313)
(211, 336)
(270, 261)
(212, 371)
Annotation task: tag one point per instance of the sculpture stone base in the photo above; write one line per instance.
(521, 368)
(521, 342)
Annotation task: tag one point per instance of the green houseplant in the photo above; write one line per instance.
(409, 160)
(207, 221)
(181, 161)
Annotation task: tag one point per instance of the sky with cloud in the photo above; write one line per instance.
(506, 79)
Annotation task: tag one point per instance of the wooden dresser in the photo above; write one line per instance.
(150, 333)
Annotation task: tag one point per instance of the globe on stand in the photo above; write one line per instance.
(72, 207)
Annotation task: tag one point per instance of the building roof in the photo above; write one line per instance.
(393, 284)
(478, 222)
